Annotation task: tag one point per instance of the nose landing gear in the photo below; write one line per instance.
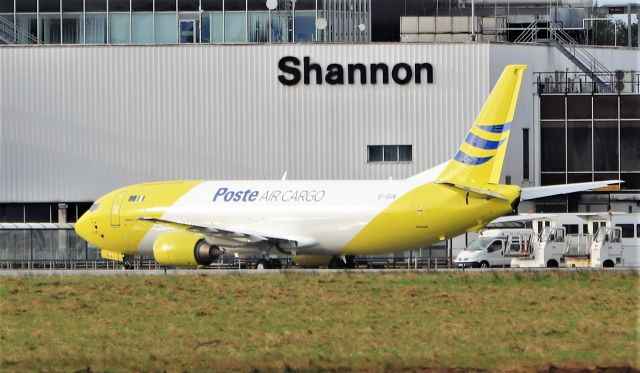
(127, 262)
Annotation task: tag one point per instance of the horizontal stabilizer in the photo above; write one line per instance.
(522, 218)
(482, 191)
(552, 190)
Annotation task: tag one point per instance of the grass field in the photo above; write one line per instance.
(311, 322)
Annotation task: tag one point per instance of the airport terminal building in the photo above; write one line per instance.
(97, 94)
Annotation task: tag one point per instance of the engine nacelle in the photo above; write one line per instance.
(184, 249)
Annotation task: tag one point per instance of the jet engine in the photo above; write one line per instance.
(184, 249)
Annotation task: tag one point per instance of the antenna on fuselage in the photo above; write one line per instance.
(284, 177)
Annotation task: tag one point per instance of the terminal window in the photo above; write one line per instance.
(158, 21)
(389, 153)
(590, 138)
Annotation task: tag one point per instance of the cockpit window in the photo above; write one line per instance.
(94, 207)
(134, 198)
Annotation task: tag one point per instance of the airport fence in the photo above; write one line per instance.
(45, 245)
(57, 246)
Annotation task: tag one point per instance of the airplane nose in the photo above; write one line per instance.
(83, 226)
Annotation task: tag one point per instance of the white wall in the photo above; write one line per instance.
(78, 121)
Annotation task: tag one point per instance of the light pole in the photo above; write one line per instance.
(271, 5)
(200, 11)
(473, 20)
(293, 21)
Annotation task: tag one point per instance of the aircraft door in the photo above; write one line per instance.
(115, 209)
(421, 218)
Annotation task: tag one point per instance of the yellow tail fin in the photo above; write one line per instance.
(480, 157)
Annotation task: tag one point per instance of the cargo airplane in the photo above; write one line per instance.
(191, 223)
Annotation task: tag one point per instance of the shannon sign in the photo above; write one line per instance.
(293, 71)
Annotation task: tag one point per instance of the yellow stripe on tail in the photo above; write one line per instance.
(479, 160)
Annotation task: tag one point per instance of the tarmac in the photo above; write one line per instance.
(254, 272)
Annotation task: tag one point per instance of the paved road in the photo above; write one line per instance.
(226, 272)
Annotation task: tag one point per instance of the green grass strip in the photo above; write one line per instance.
(310, 322)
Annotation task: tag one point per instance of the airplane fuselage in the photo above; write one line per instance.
(323, 217)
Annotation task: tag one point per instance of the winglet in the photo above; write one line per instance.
(479, 160)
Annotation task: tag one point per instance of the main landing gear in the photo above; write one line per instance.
(268, 264)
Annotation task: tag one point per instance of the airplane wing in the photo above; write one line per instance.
(551, 190)
(230, 237)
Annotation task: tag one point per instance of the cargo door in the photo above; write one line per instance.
(420, 218)
(115, 209)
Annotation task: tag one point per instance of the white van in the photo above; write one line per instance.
(488, 250)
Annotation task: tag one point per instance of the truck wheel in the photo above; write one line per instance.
(608, 264)
(552, 264)
(484, 264)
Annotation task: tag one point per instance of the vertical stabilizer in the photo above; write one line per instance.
(479, 160)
